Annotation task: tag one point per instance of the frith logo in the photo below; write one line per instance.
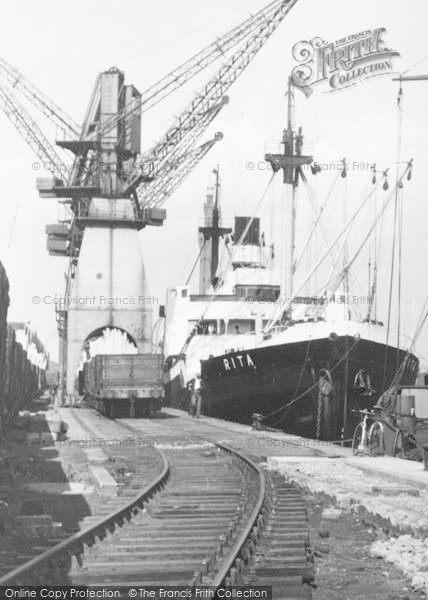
(238, 362)
(342, 63)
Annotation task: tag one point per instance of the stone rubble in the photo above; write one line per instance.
(408, 554)
(404, 516)
(350, 487)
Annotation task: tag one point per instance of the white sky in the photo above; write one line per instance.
(62, 46)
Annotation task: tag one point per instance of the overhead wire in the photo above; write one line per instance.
(415, 65)
(274, 317)
(394, 239)
(354, 281)
(322, 208)
(196, 262)
(202, 26)
(379, 215)
(336, 255)
(419, 327)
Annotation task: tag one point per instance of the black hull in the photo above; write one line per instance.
(264, 380)
(175, 395)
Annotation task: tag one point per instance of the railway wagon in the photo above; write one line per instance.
(4, 305)
(51, 378)
(125, 385)
(21, 379)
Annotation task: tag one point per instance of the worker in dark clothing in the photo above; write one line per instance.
(197, 397)
(190, 388)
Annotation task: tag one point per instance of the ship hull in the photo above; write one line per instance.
(176, 394)
(265, 379)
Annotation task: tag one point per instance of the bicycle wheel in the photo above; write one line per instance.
(376, 443)
(399, 444)
(357, 438)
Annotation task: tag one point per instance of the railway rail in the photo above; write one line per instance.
(211, 517)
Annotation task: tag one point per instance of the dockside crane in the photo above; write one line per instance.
(31, 132)
(44, 104)
(105, 151)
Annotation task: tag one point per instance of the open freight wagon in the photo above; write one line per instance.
(124, 385)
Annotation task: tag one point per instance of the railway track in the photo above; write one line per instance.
(211, 517)
(274, 548)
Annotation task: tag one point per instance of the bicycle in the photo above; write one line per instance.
(366, 438)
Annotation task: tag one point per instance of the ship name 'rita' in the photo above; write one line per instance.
(241, 360)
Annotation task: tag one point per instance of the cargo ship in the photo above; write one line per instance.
(220, 316)
(299, 363)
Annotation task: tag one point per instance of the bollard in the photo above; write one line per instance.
(256, 419)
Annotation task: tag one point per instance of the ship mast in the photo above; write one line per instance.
(290, 162)
(214, 231)
(215, 222)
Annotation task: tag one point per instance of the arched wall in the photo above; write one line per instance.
(109, 290)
